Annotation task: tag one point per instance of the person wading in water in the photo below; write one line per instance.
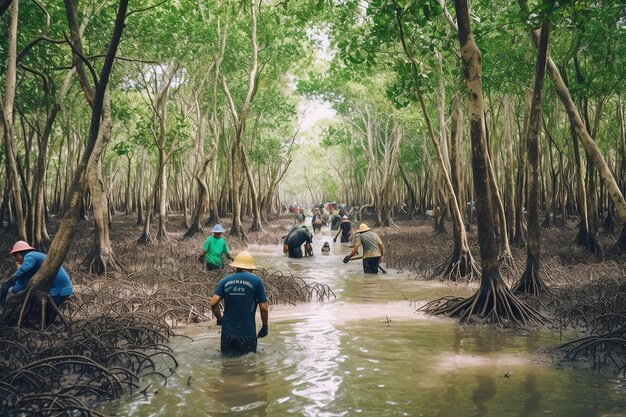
(373, 249)
(213, 249)
(344, 229)
(292, 243)
(242, 292)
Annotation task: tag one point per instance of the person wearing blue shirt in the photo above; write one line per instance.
(29, 261)
(242, 292)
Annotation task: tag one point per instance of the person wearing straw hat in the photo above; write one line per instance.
(373, 249)
(242, 292)
(28, 262)
(213, 249)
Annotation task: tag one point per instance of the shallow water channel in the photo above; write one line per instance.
(368, 353)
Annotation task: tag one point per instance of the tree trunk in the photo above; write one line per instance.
(203, 200)
(493, 302)
(530, 281)
(468, 264)
(592, 149)
(40, 234)
(162, 180)
(139, 195)
(509, 194)
(101, 256)
(44, 278)
(6, 120)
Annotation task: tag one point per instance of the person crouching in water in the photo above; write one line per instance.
(28, 261)
(242, 292)
(292, 243)
(373, 249)
(213, 249)
(344, 229)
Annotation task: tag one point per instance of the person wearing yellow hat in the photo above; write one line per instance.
(242, 292)
(373, 249)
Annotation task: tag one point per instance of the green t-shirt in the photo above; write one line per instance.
(214, 249)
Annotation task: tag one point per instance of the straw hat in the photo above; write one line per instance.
(243, 260)
(363, 228)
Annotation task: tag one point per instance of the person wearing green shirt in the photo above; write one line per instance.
(213, 249)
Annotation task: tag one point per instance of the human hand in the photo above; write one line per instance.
(346, 259)
(263, 332)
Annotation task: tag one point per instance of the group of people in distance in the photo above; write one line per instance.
(373, 248)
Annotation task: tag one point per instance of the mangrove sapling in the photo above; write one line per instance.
(102, 256)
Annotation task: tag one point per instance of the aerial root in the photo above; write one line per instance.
(530, 283)
(459, 267)
(598, 311)
(498, 305)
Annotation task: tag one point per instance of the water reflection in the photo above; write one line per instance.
(241, 388)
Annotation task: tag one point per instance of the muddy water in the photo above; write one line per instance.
(368, 353)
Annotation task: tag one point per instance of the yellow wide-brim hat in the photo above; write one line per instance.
(243, 260)
(363, 228)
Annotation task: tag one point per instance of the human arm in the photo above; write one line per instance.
(215, 307)
(264, 310)
(227, 252)
(335, 238)
(354, 251)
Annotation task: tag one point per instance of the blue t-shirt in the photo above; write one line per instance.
(61, 286)
(242, 292)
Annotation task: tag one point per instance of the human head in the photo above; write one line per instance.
(218, 230)
(243, 260)
(20, 248)
(363, 228)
